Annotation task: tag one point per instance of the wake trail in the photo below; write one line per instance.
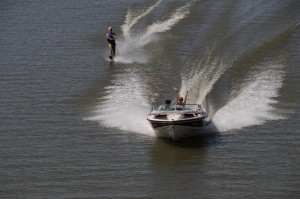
(253, 101)
(124, 106)
(131, 46)
(253, 104)
(126, 102)
(202, 76)
(131, 21)
(163, 26)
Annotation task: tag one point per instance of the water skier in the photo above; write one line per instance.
(111, 39)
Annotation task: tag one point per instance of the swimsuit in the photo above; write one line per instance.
(111, 38)
(180, 107)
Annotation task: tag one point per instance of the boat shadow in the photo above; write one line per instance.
(184, 151)
(200, 141)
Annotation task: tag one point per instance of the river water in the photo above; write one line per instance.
(73, 124)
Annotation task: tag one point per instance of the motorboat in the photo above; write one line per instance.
(176, 123)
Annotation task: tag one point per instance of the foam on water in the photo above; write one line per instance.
(253, 103)
(125, 105)
(200, 78)
(162, 26)
(131, 20)
(250, 105)
(130, 47)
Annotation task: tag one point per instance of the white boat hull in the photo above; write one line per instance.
(179, 123)
(181, 131)
(178, 132)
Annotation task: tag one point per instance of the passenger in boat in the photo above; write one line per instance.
(166, 106)
(111, 39)
(180, 102)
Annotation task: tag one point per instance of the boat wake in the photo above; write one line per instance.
(201, 76)
(124, 106)
(246, 87)
(253, 93)
(253, 104)
(126, 102)
(131, 44)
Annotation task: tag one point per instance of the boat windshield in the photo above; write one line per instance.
(190, 107)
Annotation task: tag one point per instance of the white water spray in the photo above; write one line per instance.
(163, 26)
(130, 47)
(201, 78)
(125, 106)
(131, 20)
(253, 105)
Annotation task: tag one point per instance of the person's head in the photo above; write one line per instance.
(109, 29)
(180, 100)
(168, 102)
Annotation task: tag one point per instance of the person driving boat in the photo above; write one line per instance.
(166, 106)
